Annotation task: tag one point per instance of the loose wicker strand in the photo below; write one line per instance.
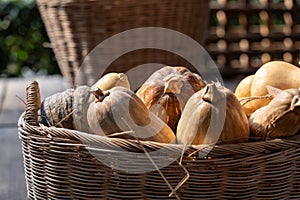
(249, 99)
(203, 147)
(66, 117)
(182, 153)
(173, 191)
(118, 134)
(183, 181)
(22, 100)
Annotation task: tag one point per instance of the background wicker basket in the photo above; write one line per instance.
(75, 27)
(58, 165)
(241, 35)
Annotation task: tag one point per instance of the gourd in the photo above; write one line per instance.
(119, 112)
(167, 90)
(111, 80)
(280, 118)
(278, 74)
(243, 91)
(68, 109)
(56, 109)
(196, 118)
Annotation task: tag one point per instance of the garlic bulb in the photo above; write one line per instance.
(280, 118)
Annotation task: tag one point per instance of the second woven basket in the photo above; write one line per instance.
(76, 27)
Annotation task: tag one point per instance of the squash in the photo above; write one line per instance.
(280, 118)
(278, 74)
(82, 98)
(167, 90)
(243, 91)
(67, 109)
(56, 110)
(119, 112)
(216, 103)
(111, 80)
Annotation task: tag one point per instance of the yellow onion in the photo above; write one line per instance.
(280, 118)
(167, 90)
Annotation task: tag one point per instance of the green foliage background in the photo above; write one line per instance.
(24, 44)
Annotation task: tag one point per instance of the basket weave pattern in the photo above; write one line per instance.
(75, 27)
(59, 166)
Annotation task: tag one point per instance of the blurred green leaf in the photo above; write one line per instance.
(22, 39)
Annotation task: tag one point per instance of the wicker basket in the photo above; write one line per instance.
(76, 27)
(58, 165)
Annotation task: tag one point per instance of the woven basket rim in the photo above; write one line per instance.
(29, 124)
(237, 150)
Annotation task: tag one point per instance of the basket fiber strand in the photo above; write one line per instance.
(58, 165)
(76, 27)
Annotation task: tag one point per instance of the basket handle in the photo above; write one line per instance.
(33, 103)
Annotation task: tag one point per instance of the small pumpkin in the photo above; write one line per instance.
(278, 74)
(216, 103)
(280, 118)
(167, 90)
(119, 110)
